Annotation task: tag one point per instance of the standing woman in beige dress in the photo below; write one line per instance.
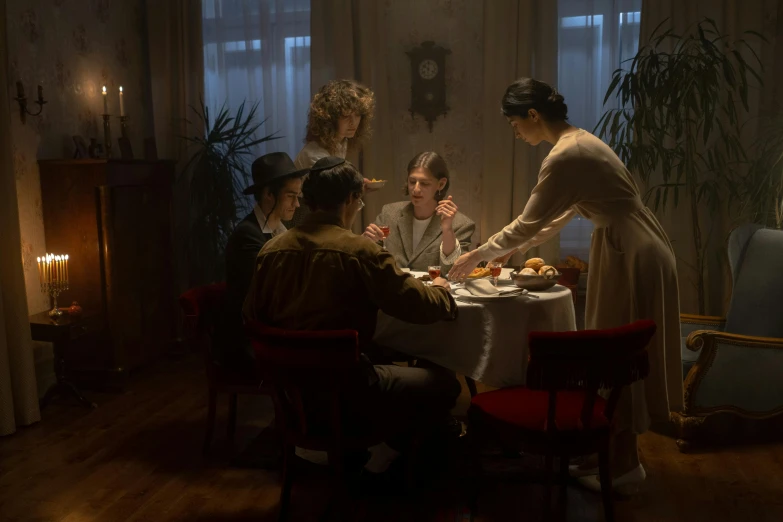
(632, 265)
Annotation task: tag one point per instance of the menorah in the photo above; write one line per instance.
(53, 276)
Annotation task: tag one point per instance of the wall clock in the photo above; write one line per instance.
(428, 81)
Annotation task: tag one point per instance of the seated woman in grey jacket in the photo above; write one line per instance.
(428, 230)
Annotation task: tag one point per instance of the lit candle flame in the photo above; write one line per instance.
(104, 89)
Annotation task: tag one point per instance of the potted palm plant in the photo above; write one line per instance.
(678, 122)
(219, 169)
(761, 193)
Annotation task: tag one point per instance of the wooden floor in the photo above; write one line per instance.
(137, 458)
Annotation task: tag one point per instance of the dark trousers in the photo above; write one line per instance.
(418, 399)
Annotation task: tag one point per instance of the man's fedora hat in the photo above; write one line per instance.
(270, 167)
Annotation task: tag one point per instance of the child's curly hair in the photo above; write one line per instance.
(334, 100)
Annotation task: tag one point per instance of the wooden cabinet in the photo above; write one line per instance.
(113, 218)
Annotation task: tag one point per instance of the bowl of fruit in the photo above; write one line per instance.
(375, 184)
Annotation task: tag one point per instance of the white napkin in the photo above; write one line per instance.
(484, 287)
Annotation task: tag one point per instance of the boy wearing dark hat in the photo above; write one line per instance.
(276, 187)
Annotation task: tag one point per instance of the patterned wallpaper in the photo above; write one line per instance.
(72, 48)
(457, 136)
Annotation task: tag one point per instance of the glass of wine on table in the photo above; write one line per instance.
(434, 272)
(495, 269)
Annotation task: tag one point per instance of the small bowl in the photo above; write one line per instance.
(534, 283)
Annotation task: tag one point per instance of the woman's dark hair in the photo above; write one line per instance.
(436, 165)
(328, 189)
(527, 93)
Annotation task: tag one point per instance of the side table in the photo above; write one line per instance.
(60, 332)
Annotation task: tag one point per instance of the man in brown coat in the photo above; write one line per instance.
(321, 276)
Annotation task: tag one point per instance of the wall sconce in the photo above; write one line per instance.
(22, 99)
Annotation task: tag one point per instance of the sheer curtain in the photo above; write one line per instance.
(259, 51)
(18, 389)
(594, 38)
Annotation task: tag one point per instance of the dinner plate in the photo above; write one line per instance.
(462, 294)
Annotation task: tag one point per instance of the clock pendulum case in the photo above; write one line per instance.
(428, 81)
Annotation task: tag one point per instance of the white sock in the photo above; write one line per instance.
(381, 457)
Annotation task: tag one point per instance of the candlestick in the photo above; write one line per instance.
(122, 105)
(107, 134)
(19, 90)
(40, 93)
(105, 101)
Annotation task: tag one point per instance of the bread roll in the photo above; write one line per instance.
(528, 271)
(547, 271)
(535, 263)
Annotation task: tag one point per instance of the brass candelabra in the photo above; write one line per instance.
(53, 277)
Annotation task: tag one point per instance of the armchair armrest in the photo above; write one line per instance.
(690, 323)
(701, 339)
(736, 373)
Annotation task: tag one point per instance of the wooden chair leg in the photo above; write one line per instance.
(605, 475)
(232, 418)
(210, 427)
(564, 475)
(476, 473)
(471, 386)
(549, 473)
(288, 481)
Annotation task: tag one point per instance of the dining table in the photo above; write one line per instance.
(488, 341)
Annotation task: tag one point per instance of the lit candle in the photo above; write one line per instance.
(57, 268)
(66, 268)
(122, 106)
(40, 271)
(105, 101)
(47, 270)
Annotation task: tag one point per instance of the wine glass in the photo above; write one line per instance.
(495, 269)
(385, 230)
(434, 272)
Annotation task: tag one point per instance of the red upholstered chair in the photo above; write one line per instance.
(300, 364)
(202, 307)
(559, 412)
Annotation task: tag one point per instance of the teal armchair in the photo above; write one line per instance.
(735, 364)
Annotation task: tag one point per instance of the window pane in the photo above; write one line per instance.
(595, 37)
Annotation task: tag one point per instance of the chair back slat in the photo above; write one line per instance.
(306, 366)
(589, 360)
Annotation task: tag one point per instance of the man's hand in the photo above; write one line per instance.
(446, 209)
(373, 232)
(464, 266)
(441, 282)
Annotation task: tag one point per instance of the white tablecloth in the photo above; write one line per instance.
(488, 341)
